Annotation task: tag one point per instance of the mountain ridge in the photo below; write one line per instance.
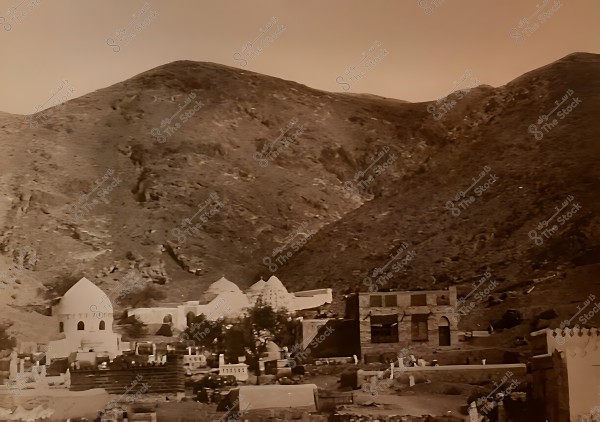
(214, 152)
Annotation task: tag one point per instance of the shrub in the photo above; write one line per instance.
(143, 297)
(453, 391)
(6, 342)
(134, 328)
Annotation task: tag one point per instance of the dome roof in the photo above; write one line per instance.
(226, 304)
(276, 284)
(222, 285)
(257, 287)
(272, 347)
(275, 295)
(84, 298)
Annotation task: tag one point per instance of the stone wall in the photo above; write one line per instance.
(449, 357)
(550, 387)
(393, 418)
(169, 378)
(566, 378)
(438, 307)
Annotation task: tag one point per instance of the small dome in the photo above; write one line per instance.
(272, 351)
(272, 347)
(84, 298)
(222, 285)
(276, 284)
(227, 304)
(275, 295)
(257, 287)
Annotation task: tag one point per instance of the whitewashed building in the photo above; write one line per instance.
(566, 373)
(84, 320)
(224, 299)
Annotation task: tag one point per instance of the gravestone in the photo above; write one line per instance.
(473, 414)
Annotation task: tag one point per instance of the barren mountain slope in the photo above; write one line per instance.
(46, 169)
(533, 178)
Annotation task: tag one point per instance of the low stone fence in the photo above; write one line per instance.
(327, 401)
(393, 418)
(334, 361)
(450, 356)
(463, 374)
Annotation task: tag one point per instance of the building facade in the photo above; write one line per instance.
(84, 320)
(225, 300)
(566, 373)
(391, 321)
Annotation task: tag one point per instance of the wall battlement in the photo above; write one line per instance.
(576, 341)
(575, 332)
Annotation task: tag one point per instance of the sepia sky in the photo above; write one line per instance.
(67, 39)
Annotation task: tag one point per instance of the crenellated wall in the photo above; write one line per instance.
(572, 338)
(576, 364)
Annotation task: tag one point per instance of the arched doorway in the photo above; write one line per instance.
(190, 318)
(444, 331)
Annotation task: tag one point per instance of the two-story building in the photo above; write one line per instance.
(391, 321)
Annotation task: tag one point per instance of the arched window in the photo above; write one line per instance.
(102, 326)
(80, 326)
(61, 327)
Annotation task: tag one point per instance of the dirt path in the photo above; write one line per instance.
(391, 404)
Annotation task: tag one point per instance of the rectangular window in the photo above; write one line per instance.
(419, 327)
(391, 300)
(376, 301)
(418, 300)
(384, 328)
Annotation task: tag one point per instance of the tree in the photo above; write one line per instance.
(61, 286)
(6, 342)
(143, 297)
(133, 327)
(234, 344)
(203, 332)
(263, 324)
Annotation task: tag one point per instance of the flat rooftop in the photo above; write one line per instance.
(404, 292)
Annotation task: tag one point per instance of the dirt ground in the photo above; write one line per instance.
(436, 399)
(63, 403)
(415, 405)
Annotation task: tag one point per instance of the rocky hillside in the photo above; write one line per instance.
(517, 181)
(530, 220)
(198, 170)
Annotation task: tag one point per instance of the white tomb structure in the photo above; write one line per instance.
(84, 320)
(194, 360)
(579, 352)
(238, 370)
(225, 300)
